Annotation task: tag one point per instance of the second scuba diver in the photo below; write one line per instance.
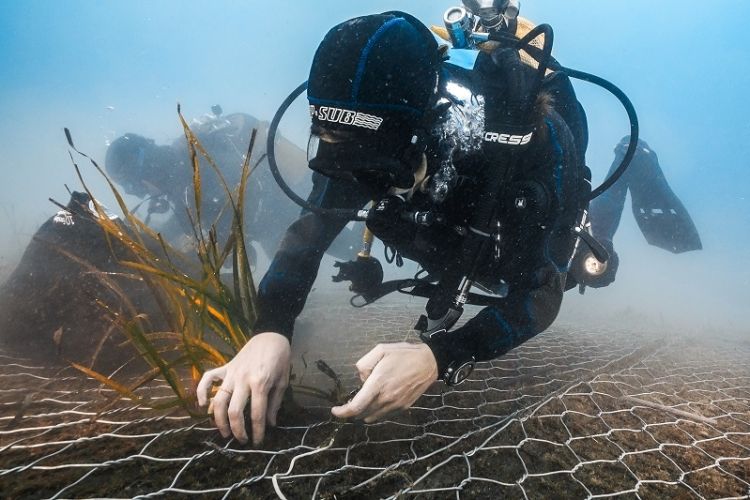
(162, 176)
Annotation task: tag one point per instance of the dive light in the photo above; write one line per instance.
(592, 266)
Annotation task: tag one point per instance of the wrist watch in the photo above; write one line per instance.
(455, 371)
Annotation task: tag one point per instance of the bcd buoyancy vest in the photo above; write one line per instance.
(541, 202)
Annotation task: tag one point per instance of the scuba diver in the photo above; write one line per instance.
(163, 176)
(474, 163)
(661, 216)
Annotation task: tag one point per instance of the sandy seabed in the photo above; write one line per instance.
(577, 412)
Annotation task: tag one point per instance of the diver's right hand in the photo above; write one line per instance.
(259, 373)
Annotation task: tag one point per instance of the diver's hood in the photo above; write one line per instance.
(622, 146)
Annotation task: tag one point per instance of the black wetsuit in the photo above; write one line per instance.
(536, 246)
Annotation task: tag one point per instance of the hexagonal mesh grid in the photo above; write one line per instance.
(580, 413)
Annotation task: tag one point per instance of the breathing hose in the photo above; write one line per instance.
(271, 152)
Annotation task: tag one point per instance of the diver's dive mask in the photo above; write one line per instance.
(376, 163)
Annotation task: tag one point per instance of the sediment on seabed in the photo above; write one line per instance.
(574, 412)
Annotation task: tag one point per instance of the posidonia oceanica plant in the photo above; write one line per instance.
(208, 317)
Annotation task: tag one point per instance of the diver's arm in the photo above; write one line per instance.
(284, 288)
(395, 375)
(259, 373)
(495, 330)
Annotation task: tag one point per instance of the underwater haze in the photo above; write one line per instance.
(640, 389)
(103, 69)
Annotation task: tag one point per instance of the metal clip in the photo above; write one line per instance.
(497, 237)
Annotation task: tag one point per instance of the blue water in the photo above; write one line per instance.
(107, 68)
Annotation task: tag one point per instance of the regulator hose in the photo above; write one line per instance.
(271, 152)
(632, 116)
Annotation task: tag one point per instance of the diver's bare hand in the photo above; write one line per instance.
(259, 373)
(394, 377)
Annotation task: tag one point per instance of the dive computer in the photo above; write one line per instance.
(457, 372)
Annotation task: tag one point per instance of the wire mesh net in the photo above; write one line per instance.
(575, 412)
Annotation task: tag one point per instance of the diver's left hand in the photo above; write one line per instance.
(394, 377)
